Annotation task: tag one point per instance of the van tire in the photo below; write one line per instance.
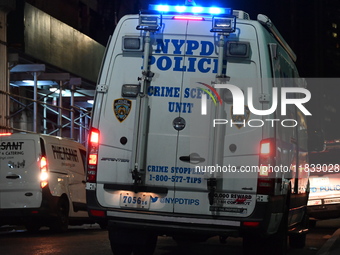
(137, 242)
(148, 247)
(120, 241)
(32, 226)
(119, 249)
(278, 241)
(274, 243)
(61, 222)
(254, 244)
(298, 240)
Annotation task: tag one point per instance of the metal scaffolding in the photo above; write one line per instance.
(44, 107)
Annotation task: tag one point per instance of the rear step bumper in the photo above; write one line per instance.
(173, 225)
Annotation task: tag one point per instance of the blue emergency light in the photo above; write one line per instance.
(190, 9)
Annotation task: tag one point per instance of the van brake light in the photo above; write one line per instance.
(188, 18)
(266, 177)
(94, 136)
(5, 134)
(265, 148)
(92, 159)
(43, 172)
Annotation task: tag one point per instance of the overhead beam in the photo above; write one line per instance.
(42, 76)
(21, 68)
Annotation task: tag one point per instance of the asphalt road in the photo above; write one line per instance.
(90, 239)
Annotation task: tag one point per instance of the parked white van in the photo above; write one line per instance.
(168, 153)
(42, 181)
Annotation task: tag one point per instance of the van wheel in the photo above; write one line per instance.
(147, 247)
(119, 249)
(312, 223)
(60, 223)
(278, 241)
(120, 241)
(32, 227)
(125, 242)
(103, 225)
(273, 244)
(297, 240)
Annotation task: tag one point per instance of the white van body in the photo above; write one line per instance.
(152, 155)
(42, 181)
(324, 197)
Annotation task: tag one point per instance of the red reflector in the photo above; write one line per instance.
(34, 212)
(97, 213)
(251, 224)
(188, 18)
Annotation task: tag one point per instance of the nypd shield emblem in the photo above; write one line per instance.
(122, 108)
(240, 119)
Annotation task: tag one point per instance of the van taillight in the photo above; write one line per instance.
(92, 160)
(43, 172)
(5, 134)
(266, 175)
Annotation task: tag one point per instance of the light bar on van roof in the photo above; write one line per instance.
(190, 9)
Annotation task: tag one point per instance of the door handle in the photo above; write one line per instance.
(193, 158)
(13, 176)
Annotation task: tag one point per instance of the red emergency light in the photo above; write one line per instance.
(188, 18)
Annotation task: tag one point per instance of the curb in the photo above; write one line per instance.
(332, 246)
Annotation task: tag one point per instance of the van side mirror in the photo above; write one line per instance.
(316, 140)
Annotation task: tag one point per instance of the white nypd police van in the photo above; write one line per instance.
(186, 140)
(42, 181)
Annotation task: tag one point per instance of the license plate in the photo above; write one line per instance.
(314, 202)
(332, 201)
(134, 200)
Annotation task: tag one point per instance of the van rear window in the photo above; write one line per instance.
(238, 49)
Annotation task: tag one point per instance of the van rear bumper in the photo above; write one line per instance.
(173, 224)
(266, 219)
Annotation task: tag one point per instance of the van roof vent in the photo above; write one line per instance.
(241, 14)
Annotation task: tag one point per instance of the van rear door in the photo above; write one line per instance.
(178, 136)
(19, 172)
(235, 193)
(118, 122)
